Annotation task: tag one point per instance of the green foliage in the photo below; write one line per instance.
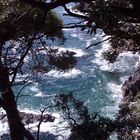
(118, 19)
(23, 20)
(61, 60)
(72, 108)
(53, 25)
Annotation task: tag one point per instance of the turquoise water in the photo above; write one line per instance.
(87, 81)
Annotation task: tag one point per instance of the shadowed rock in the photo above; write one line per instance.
(28, 118)
(132, 86)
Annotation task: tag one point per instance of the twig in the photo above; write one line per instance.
(74, 14)
(41, 119)
(74, 26)
(18, 95)
(94, 44)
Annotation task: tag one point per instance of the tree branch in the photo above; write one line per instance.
(73, 14)
(47, 6)
(94, 44)
(41, 119)
(29, 45)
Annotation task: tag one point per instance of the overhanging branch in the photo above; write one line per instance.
(74, 14)
(47, 6)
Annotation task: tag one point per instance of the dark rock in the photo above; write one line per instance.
(132, 86)
(28, 118)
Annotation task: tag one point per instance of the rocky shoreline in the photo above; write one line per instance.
(130, 106)
(131, 93)
(131, 87)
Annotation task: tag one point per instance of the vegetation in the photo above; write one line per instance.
(25, 22)
(20, 23)
(86, 126)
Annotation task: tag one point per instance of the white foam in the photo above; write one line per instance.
(124, 78)
(125, 62)
(34, 88)
(22, 78)
(74, 10)
(116, 90)
(98, 55)
(113, 136)
(116, 97)
(78, 52)
(3, 126)
(39, 94)
(58, 128)
(68, 74)
(110, 111)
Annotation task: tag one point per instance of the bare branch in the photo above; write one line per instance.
(18, 95)
(94, 44)
(74, 26)
(74, 14)
(29, 45)
(41, 119)
(48, 6)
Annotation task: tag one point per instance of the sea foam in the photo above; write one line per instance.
(125, 62)
(58, 129)
(68, 74)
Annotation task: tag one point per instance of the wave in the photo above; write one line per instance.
(109, 111)
(68, 74)
(125, 62)
(116, 90)
(35, 89)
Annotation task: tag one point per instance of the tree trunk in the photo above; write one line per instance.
(17, 129)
